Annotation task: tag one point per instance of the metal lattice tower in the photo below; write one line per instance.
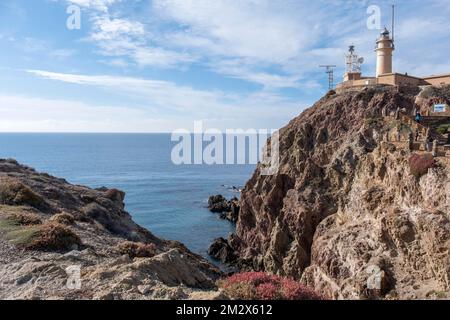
(330, 72)
(353, 61)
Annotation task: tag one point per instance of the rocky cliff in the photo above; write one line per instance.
(51, 232)
(344, 213)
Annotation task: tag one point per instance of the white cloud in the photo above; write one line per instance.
(263, 30)
(106, 28)
(25, 114)
(249, 40)
(239, 69)
(101, 5)
(121, 38)
(184, 105)
(275, 44)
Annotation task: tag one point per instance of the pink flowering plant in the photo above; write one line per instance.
(263, 286)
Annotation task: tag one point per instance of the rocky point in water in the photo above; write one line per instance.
(347, 205)
(49, 229)
(228, 209)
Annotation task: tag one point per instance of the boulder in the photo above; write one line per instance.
(229, 210)
(222, 251)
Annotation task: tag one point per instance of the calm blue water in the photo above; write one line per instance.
(167, 199)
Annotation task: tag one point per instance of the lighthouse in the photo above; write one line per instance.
(384, 49)
(385, 76)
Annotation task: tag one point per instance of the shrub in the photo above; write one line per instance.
(54, 236)
(63, 218)
(115, 195)
(25, 219)
(442, 129)
(137, 249)
(13, 192)
(263, 286)
(420, 163)
(27, 231)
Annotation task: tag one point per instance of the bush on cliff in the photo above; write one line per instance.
(25, 219)
(13, 192)
(137, 249)
(53, 236)
(443, 129)
(27, 230)
(63, 218)
(263, 286)
(420, 163)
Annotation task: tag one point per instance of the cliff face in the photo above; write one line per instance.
(344, 210)
(48, 225)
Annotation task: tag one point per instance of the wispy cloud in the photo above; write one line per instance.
(244, 110)
(52, 115)
(101, 5)
(123, 38)
(249, 63)
(248, 40)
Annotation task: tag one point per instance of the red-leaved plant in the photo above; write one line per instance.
(420, 163)
(263, 286)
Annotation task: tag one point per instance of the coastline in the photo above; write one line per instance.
(49, 226)
(168, 199)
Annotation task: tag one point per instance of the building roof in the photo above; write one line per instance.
(438, 76)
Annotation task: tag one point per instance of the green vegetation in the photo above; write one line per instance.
(12, 230)
(442, 129)
(28, 231)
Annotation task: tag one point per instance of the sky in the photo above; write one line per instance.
(161, 65)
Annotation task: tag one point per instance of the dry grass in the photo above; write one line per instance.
(27, 231)
(137, 249)
(53, 236)
(13, 192)
(22, 237)
(26, 219)
(20, 228)
(63, 218)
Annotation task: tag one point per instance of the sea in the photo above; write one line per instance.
(168, 199)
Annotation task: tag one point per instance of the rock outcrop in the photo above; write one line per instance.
(344, 214)
(51, 230)
(228, 209)
(222, 251)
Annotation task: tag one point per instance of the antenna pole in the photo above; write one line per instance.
(330, 72)
(393, 22)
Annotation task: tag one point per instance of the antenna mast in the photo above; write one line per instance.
(393, 23)
(353, 61)
(330, 72)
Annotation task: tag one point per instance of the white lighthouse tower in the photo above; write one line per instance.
(384, 49)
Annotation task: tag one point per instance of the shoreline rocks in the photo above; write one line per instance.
(49, 227)
(222, 251)
(228, 209)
